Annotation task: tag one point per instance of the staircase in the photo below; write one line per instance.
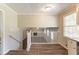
(47, 49)
(41, 49)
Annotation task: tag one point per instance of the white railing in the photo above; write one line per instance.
(28, 40)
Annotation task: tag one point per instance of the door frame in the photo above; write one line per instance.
(3, 31)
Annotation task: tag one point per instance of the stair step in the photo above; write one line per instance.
(41, 49)
(51, 46)
(48, 49)
(22, 52)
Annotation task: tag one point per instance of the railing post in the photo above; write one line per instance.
(28, 40)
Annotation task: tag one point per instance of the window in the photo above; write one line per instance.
(70, 25)
(70, 20)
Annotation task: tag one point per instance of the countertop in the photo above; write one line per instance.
(73, 38)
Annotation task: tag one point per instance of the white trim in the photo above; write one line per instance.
(47, 14)
(9, 8)
(5, 52)
(2, 40)
(63, 46)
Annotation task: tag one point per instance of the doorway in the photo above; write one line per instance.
(1, 31)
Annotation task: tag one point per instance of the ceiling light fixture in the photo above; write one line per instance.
(48, 7)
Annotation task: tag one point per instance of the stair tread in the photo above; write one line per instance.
(41, 49)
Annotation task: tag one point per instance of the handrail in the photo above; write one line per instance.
(14, 38)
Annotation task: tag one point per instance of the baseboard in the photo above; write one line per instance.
(4, 53)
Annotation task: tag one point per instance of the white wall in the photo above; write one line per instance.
(9, 27)
(0, 23)
(1, 31)
(37, 21)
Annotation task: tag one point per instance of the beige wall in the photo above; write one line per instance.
(62, 39)
(37, 21)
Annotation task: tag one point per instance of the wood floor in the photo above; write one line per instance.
(39, 40)
(41, 49)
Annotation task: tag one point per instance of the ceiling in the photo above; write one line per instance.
(36, 8)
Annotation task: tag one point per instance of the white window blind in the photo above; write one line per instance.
(70, 20)
(70, 26)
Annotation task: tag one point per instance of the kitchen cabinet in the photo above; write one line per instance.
(72, 47)
(77, 48)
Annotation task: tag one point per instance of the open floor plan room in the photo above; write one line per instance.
(39, 29)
